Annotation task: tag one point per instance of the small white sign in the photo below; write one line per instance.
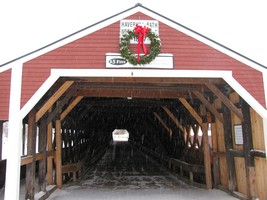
(238, 134)
(129, 24)
(162, 61)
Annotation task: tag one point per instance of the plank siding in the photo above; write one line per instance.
(5, 78)
(89, 52)
(260, 163)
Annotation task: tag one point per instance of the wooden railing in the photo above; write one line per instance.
(173, 163)
(39, 156)
(184, 166)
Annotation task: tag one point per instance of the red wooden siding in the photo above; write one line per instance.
(5, 78)
(89, 52)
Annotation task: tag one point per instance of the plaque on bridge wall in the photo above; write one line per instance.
(162, 61)
(238, 134)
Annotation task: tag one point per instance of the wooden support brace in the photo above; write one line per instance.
(205, 140)
(31, 146)
(70, 107)
(174, 119)
(162, 122)
(58, 154)
(248, 146)
(228, 141)
(191, 110)
(208, 106)
(42, 149)
(53, 99)
(225, 100)
(60, 105)
(49, 159)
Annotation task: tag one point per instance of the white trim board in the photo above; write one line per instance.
(226, 75)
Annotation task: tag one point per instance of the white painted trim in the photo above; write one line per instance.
(38, 95)
(247, 96)
(252, 102)
(203, 39)
(226, 75)
(140, 73)
(12, 185)
(72, 38)
(123, 15)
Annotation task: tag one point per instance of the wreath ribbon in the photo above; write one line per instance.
(141, 32)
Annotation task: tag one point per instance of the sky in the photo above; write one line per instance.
(30, 24)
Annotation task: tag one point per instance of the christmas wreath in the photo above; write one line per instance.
(140, 33)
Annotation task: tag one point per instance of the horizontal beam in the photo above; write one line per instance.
(39, 156)
(150, 80)
(186, 166)
(134, 93)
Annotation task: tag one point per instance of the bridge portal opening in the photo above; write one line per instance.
(120, 135)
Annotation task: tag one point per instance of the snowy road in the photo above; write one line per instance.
(124, 173)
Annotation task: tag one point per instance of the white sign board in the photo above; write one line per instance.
(129, 24)
(162, 61)
(238, 134)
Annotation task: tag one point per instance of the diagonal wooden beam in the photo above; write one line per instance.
(191, 110)
(174, 119)
(208, 105)
(53, 99)
(162, 122)
(70, 107)
(205, 140)
(60, 105)
(225, 101)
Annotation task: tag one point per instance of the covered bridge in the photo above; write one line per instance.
(198, 106)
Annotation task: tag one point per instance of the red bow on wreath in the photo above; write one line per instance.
(141, 32)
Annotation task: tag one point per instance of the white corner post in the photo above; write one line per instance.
(12, 185)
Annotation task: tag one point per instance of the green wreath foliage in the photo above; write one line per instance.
(155, 47)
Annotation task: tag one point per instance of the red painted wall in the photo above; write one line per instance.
(5, 78)
(89, 52)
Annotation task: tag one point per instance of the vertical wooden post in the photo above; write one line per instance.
(206, 151)
(42, 149)
(49, 159)
(229, 145)
(248, 145)
(23, 140)
(58, 154)
(31, 150)
(216, 169)
(1, 138)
